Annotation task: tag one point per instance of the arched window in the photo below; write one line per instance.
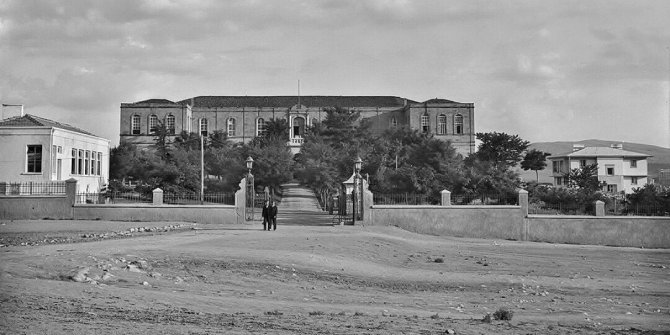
(260, 127)
(425, 123)
(298, 126)
(135, 125)
(169, 124)
(231, 127)
(442, 124)
(203, 127)
(458, 124)
(153, 123)
(394, 122)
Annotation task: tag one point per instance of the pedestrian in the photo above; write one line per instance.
(272, 216)
(266, 215)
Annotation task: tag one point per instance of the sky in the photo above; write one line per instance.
(544, 70)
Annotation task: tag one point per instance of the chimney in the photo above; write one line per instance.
(577, 147)
(9, 110)
(617, 146)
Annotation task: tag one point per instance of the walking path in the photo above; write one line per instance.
(299, 206)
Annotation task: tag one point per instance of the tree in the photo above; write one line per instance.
(584, 179)
(535, 160)
(501, 150)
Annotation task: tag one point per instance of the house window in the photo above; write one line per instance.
(73, 164)
(425, 123)
(559, 181)
(611, 188)
(203, 127)
(582, 163)
(260, 127)
(169, 124)
(458, 124)
(80, 162)
(442, 124)
(633, 180)
(99, 163)
(53, 159)
(633, 163)
(153, 124)
(135, 125)
(231, 127)
(94, 157)
(609, 169)
(87, 162)
(557, 166)
(394, 122)
(34, 159)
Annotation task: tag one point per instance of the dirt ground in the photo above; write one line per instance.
(96, 277)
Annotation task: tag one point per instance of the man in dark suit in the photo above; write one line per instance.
(266, 215)
(272, 216)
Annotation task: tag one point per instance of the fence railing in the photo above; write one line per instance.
(561, 208)
(403, 199)
(112, 198)
(485, 199)
(621, 208)
(194, 198)
(33, 188)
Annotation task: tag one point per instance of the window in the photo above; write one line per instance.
(73, 164)
(260, 127)
(153, 124)
(231, 127)
(559, 181)
(99, 169)
(394, 122)
(203, 127)
(314, 122)
(582, 163)
(87, 162)
(135, 125)
(611, 188)
(609, 169)
(458, 124)
(169, 124)
(442, 124)
(557, 166)
(633, 163)
(94, 157)
(54, 150)
(80, 162)
(633, 180)
(425, 123)
(34, 159)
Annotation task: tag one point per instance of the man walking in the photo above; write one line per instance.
(266, 215)
(272, 216)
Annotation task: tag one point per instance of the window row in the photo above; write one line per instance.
(86, 162)
(441, 124)
(136, 124)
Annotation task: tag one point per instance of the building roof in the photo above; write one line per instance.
(439, 101)
(292, 100)
(599, 152)
(155, 101)
(32, 121)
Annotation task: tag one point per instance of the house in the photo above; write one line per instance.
(622, 170)
(242, 118)
(34, 149)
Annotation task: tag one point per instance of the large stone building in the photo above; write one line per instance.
(243, 117)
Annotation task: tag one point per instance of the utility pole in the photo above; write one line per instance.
(202, 168)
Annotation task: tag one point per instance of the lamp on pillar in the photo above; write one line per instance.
(250, 191)
(354, 193)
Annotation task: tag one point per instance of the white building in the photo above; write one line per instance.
(622, 170)
(35, 149)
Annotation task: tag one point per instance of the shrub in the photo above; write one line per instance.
(316, 313)
(275, 313)
(439, 260)
(503, 314)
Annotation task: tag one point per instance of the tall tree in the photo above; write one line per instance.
(535, 160)
(501, 150)
(585, 179)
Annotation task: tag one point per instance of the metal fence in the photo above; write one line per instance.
(113, 198)
(624, 208)
(485, 199)
(194, 198)
(561, 209)
(33, 188)
(403, 199)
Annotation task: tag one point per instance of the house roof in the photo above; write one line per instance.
(292, 100)
(600, 152)
(155, 101)
(439, 101)
(32, 121)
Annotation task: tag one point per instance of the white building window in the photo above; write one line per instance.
(260, 127)
(94, 157)
(394, 122)
(633, 180)
(73, 163)
(203, 127)
(633, 163)
(458, 124)
(99, 170)
(80, 162)
(153, 124)
(231, 127)
(557, 166)
(135, 125)
(34, 158)
(442, 124)
(609, 170)
(87, 163)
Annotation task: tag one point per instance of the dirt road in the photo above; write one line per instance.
(319, 279)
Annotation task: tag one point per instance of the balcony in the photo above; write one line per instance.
(296, 141)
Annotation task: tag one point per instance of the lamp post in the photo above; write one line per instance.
(354, 196)
(251, 191)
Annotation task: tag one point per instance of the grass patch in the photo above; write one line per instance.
(359, 314)
(503, 314)
(274, 313)
(316, 313)
(439, 260)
